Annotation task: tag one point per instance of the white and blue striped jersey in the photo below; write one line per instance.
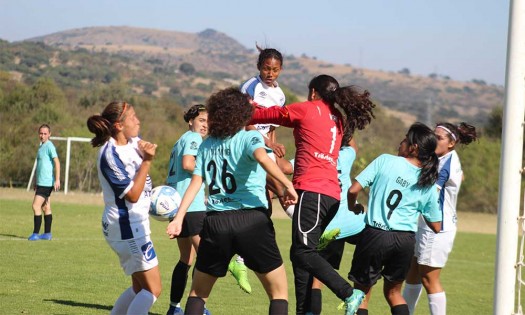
(235, 180)
(265, 96)
(396, 201)
(348, 222)
(117, 166)
(449, 181)
(178, 178)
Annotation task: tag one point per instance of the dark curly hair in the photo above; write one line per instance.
(229, 110)
(193, 112)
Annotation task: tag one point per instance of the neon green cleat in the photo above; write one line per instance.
(328, 237)
(240, 273)
(352, 302)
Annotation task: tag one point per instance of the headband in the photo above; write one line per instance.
(449, 132)
(124, 107)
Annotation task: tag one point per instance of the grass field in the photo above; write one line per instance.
(77, 273)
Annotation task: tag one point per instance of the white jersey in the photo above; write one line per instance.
(265, 96)
(449, 181)
(117, 166)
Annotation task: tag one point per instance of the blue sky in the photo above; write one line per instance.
(464, 39)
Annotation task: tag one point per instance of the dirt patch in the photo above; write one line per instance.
(468, 221)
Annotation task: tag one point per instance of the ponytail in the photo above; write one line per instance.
(421, 136)
(103, 125)
(463, 133)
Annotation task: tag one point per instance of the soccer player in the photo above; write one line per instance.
(432, 250)
(123, 164)
(401, 188)
(47, 179)
(265, 91)
(232, 161)
(318, 129)
(181, 166)
(345, 227)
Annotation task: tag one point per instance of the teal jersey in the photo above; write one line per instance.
(348, 222)
(395, 200)
(188, 144)
(234, 178)
(45, 167)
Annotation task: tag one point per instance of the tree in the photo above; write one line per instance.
(187, 68)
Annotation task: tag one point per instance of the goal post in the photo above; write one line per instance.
(68, 158)
(511, 165)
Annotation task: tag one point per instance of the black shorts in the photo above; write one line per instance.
(248, 233)
(382, 253)
(192, 223)
(43, 191)
(333, 253)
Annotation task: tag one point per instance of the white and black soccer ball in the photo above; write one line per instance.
(165, 202)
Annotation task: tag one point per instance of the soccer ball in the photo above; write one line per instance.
(165, 202)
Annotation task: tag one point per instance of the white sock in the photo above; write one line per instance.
(122, 303)
(437, 303)
(240, 260)
(290, 210)
(411, 293)
(141, 303)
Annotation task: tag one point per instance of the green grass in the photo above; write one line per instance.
(77, 273)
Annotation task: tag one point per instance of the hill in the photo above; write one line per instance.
(219, 60)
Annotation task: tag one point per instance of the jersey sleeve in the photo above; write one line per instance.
(192, 143)
(367, 176)
(199, 164)
(115, 173)
(431, 211)
(444, 175)
(271, 115)
(253, 141)
(52, 151)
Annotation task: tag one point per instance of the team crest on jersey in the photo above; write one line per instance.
(148, 251)
(262, 94)
(255, 140)
(193, 145)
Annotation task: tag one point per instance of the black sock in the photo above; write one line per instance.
(194, 306)
(37, 223)
(179, 278)
(362, 311)
(278, 307)
(316, 301)
(48, 219)
(401, 309)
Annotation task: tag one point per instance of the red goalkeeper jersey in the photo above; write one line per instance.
(318, 129)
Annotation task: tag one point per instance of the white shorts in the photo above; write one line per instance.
(433, 249)
(136, 254)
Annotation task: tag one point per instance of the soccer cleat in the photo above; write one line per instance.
(206, 311)
(352, 302)
(175, 310)
(34, 237)
(240, 273)
(46, 236)
(327, 238)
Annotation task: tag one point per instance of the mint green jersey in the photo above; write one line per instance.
(235, 180)
(45, 167)
(178, 178)
(396, 200)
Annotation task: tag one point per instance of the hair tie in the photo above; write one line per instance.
(448, 130)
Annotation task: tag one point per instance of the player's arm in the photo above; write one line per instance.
(147, 150)
(188, 163)
(434, 226)
(276, 115)
(271, 168)
(175, 226)
(352, 194)
(56, 161)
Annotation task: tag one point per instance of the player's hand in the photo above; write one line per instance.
(147, 149)
(357, 209)
(290, 196)
(57, 185)
(278, 149)
(174, 228)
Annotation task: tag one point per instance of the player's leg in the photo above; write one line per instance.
(179, 276)
(276, 286)
(392, 292)
(437, 300)
(48, 219)
(413, 287)
(147, 285)
(201, 286)
(38, 202)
